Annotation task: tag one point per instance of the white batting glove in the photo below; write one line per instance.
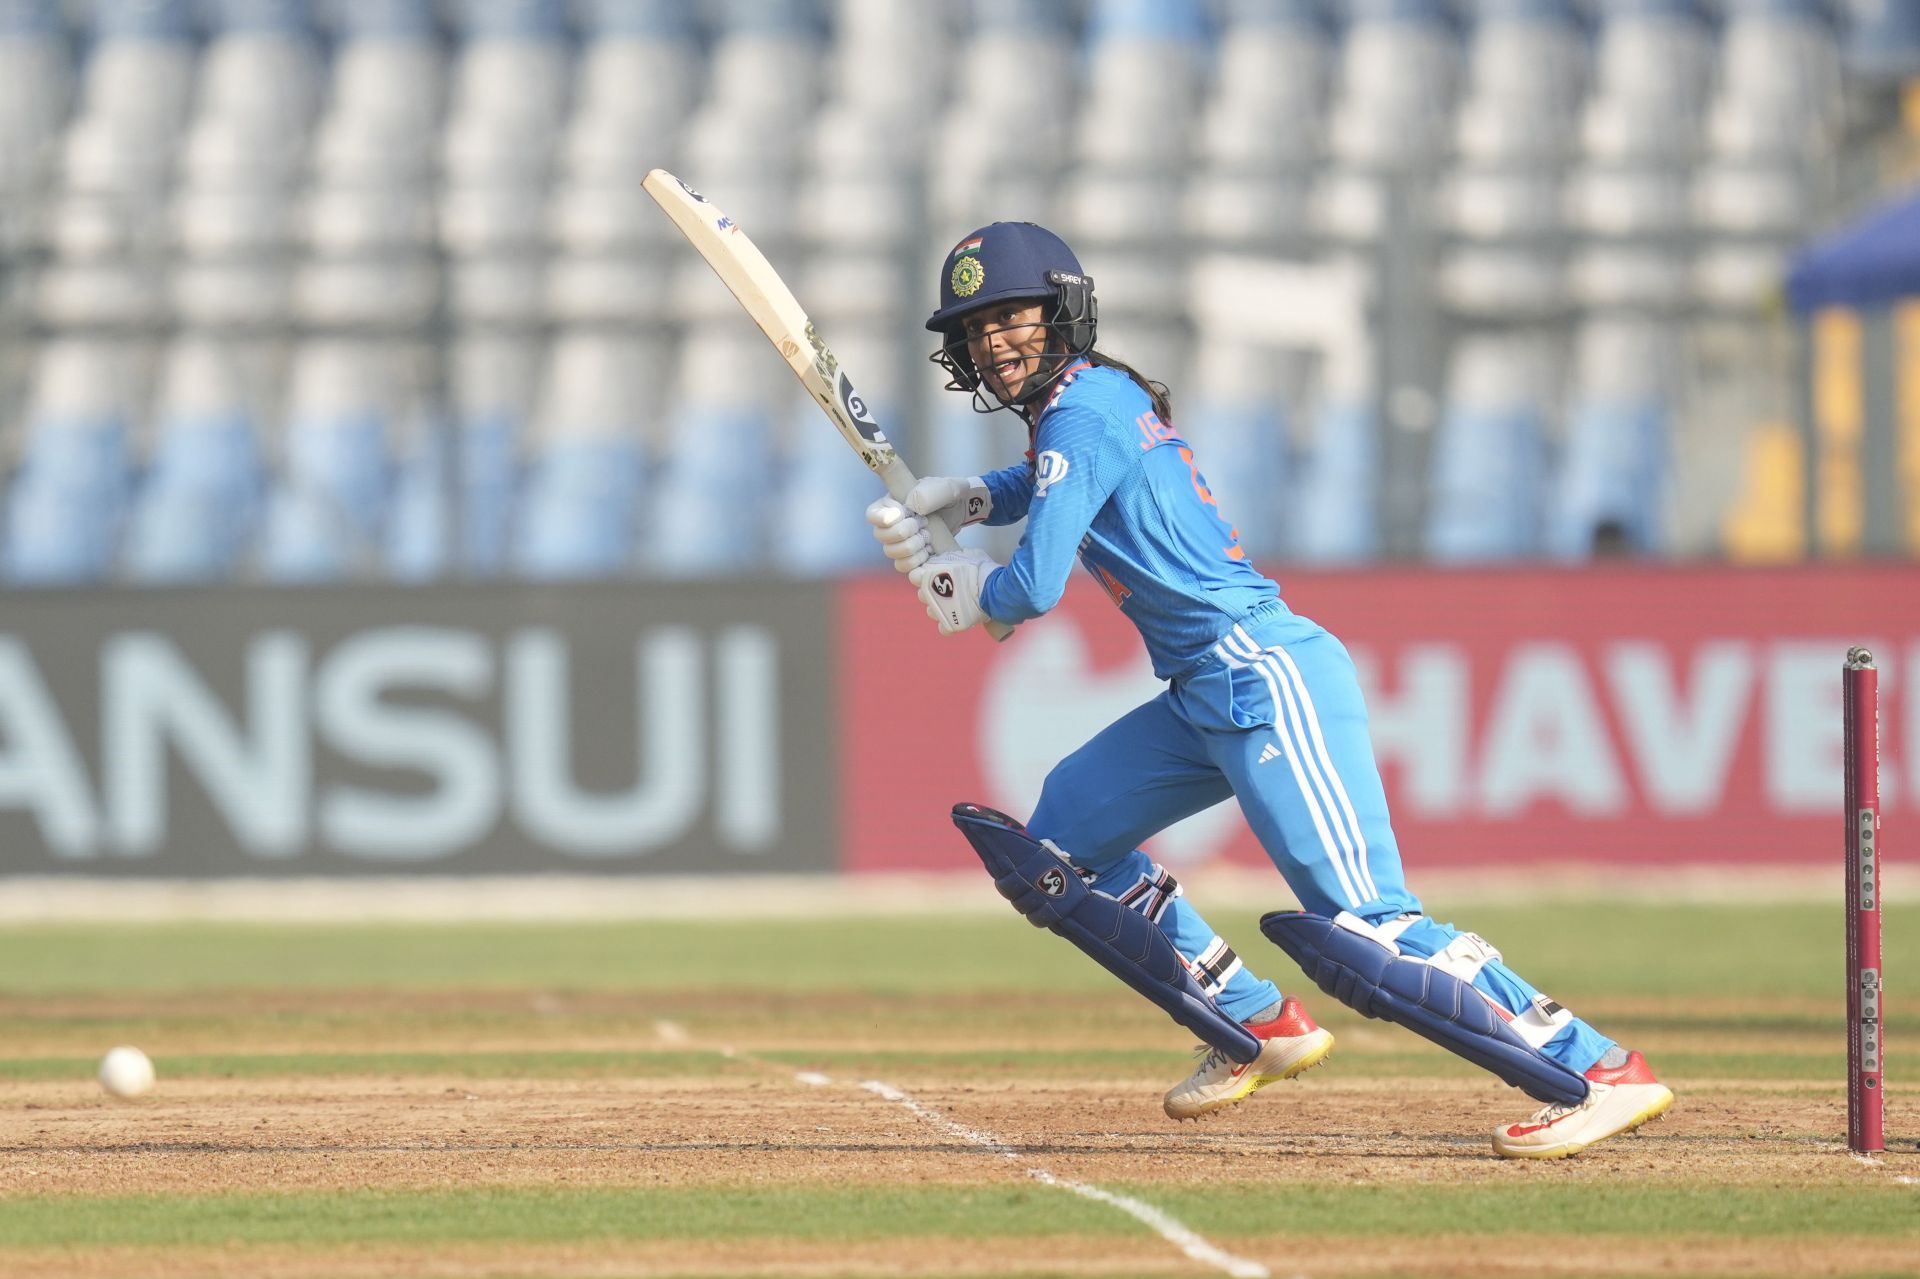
(950, 585)
(959, 502)
(901, 528)
(901, 533)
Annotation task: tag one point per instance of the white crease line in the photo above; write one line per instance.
(813, 1078)
(671, 1032)
(1153, 1218)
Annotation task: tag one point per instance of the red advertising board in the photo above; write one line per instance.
(1615, 714)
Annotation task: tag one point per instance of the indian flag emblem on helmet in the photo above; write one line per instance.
(968, 275)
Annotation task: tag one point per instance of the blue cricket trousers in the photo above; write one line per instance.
(1275, 718)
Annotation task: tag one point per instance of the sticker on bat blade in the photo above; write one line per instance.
(690, 191)
(824, 362)
(856, 410)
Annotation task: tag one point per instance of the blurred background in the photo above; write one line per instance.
(322, 290)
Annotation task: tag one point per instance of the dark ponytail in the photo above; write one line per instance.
(1156, 391)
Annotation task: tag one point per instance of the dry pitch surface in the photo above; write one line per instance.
(936, 1096)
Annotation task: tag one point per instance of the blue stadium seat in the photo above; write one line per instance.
(1042, 17)
(199, 507)
(515, 20)
(580, 510)
(818, 519)
(1883, 42)
(712, 496)
(68, 502)
(639, 19)
(1612, 480)
(1239, 16)
(288, 17)
(1420, 11)
(405, 20)
(1614, 468)
(325, 518)
(303, 540)
(68, 498)
(1556, 12)
(1489, 455)
(143, 20)
(1337, 499)
(1163, 22)
(489, 491)
(418, 530)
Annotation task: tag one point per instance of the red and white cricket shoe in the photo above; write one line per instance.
(1290, 1043)
(1619, 1100)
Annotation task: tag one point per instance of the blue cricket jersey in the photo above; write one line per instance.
(1110, 482)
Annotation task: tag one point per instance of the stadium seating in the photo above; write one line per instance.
(199, 504)
(582, 500)
(331, 288)
(67, 501)
(1612, 484)
(1489, 459)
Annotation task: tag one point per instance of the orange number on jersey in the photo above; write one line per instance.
(1116, 591)
(1232, 549)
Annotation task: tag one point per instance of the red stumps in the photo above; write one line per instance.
(1866, 1101)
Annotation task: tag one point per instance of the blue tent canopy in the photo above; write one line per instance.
(1873, 262)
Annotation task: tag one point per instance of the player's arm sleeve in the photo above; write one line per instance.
(1012, 491)
(1083, 478)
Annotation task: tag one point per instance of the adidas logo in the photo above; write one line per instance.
(1271, 752)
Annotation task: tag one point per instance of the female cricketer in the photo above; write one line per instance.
(1261, 703)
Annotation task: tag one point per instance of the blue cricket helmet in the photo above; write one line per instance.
(1008, 262)
(1001, 262)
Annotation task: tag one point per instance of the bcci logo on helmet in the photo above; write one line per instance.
(967, 277)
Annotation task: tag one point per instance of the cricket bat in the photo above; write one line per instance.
(760, 290)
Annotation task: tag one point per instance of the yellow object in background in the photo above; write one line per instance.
(1767, 524)
(1839, 420)
(1906, 412)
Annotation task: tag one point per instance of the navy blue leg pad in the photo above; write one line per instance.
(1376, 982)
(1045, 888)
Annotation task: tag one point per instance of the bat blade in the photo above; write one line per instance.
(766, 298)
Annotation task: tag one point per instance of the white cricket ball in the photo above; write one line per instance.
(126, 1072)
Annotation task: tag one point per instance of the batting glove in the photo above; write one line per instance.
(901, 534)
(959, 502)
(950, 586)
(901, 527)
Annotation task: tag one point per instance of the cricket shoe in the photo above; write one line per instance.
(1619, 1099)
(1289, 1044)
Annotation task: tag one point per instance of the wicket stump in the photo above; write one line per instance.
(1866, 1100)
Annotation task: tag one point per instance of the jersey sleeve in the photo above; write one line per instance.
(1012, 491)
(1077, 465)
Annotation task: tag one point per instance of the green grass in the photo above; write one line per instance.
(1614, 951)
(1737, 992)
(877, 1212)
